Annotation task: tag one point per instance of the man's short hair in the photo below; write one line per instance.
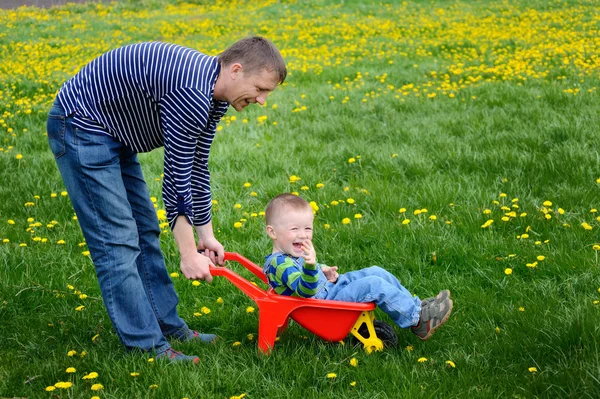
(279, 203)
(256, 54)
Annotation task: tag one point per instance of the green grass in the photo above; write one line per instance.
(517, 131)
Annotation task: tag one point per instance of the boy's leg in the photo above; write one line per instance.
(395, 300)
(90, 166)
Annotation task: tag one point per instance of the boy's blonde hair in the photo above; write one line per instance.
(277, 204)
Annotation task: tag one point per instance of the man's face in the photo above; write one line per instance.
(293, 228)
(252, 88)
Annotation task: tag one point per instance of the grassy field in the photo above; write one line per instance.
(454, 143)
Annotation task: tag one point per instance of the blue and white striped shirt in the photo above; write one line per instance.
(149, 95)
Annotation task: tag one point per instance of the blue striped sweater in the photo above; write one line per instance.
(292, 276)
(149, 95)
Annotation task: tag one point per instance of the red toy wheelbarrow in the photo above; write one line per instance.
(330, 320)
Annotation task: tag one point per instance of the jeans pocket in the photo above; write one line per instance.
(56, 133)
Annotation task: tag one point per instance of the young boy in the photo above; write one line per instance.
(292, 269)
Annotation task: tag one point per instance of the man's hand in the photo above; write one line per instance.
(310, 255)
(331, 273)
(208, 245)
(194, 266)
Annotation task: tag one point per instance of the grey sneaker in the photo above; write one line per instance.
(444, 294)
(174, 356)
(433, 315)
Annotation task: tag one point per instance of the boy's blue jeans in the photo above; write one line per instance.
(375, 284)
(110, 196)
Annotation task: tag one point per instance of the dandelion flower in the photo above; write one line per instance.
(406, 221)
(350, 201)
(71, 353)
(331, 375)
(450, 363)
(586, 226)
(134, 374)
(422, 359)
(19, 156)
(174, 275)
(351, 160)
(402, 210)
(596, 247)
(249, 309)
(541, 257)
(153, 386)
(50, 388)
(205, 310)
(409, 348)
(294, 178)
(236, 343)
(220, 300)
(353, 384)
(353, 362)
(508, 271)
(70, 370)
(346, 221)
(90, 376)
(237, 225)
(195, 283)
(320, 185)
(532, 369)
(250, 337)
(238, 396)
(358, 216)
(432, 217)
(63, 384)
(80, 308)
(547, 204)
(247, 184)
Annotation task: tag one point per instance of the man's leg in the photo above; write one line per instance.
(90, 166)
(151, 264)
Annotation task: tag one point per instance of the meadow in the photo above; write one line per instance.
(453, 142)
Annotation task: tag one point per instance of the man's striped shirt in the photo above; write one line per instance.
(149, 95)
(292, 276)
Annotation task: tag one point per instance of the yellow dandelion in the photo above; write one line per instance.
(532, 369)
(422, 359)
(358, 216)
(153, 386)
(71, 353)
(547, 204)
(508, 271)
(90, 376)
(402, 210)
(247, 184)
(220, 300)
(351, 160)
(236, 343)
(353, 384)
(353, 362)
(50, 388)
(195, 283)
(70, 370)
(409, 348)
(249, 309)
(406, 221)
(63, 384)
(205, 310)
(541, 257)
(346, 221)
(331, 375)
(237, 225)
(450, 363)
(174, 275)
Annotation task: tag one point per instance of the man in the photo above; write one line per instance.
(135, 99)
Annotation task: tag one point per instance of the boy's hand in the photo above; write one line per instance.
(310, 256)
(331, 273)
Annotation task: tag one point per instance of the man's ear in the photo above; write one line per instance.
(271, 232)
(235, 69)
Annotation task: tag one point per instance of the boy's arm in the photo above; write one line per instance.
(303, 282)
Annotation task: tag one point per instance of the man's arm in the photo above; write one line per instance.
(193, 264)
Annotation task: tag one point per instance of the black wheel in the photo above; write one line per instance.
(384, 332)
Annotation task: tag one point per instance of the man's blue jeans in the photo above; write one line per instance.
(110, 196)
(375, 284)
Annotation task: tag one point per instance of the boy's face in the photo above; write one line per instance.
(290, 229)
